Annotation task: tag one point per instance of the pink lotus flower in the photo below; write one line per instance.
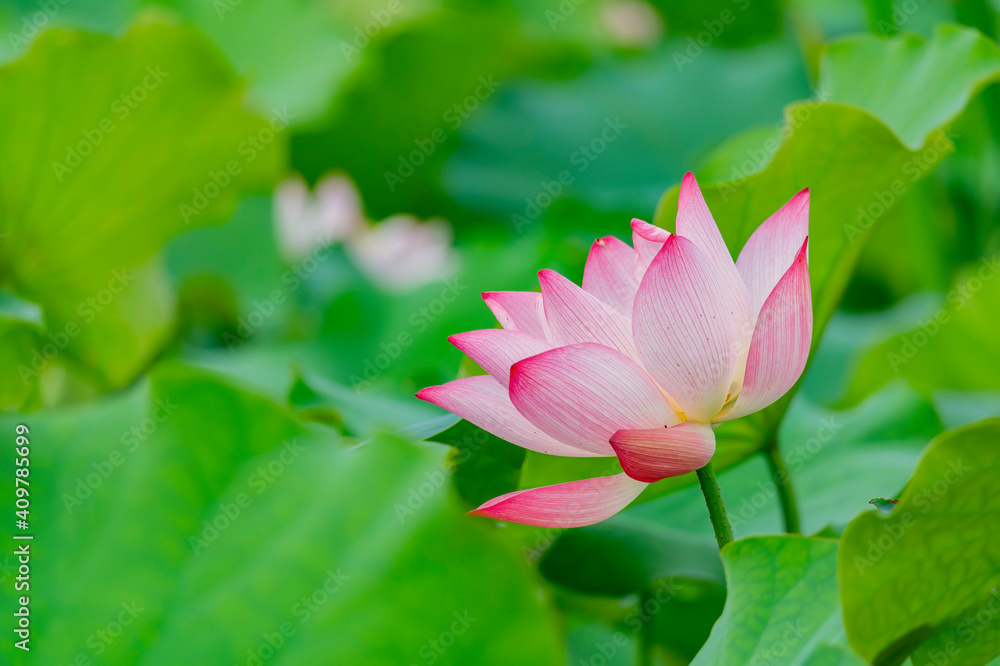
(664, 341)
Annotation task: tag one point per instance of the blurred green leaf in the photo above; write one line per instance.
(21, 21)
(727, 23)
(949, 348)
(397, 117)
(905, 575)
(92, 188)
(626, 554)
(743, 151)
(293, 52)
(683, 625)
(668, 622)
(613, 137)
(21, 323)
(541, 469)
(17, 341)
(362, 413)
(14, 309)
(253, 274)
(587, 642)
(849, 336)
(782, 605)
(913, 249)
(958, 408)
(183, 504)
(485, 465)
(400, 342)
(968, 639)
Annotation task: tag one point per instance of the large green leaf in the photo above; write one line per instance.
(942, 73)
(720, 23)
(969, 639)
(183, 504)
(96, 176)
(782, 605)
(297, 53)
(905, 575)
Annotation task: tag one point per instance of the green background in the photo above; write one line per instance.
(286, 500)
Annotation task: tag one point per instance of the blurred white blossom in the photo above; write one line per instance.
(631, 23)
(305, 220)
(399, 254)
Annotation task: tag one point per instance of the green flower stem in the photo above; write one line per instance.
(716, 508)
(783, 482)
